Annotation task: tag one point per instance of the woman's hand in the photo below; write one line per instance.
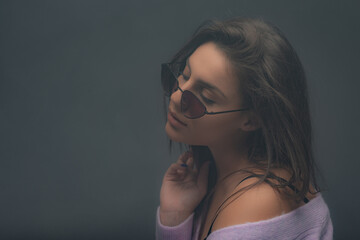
(183, 188)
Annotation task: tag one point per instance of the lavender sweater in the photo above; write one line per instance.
(310, 221)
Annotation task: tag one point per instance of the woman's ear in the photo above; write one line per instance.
(250, 122)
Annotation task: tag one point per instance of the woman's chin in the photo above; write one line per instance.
(176, 136)
(172, 133)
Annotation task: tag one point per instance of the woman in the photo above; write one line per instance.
(238, 99)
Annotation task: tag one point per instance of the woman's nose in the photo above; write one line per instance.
(176, 98)
(178, 92)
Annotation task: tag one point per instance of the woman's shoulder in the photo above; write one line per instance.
(255, 204)
(259, 202)
(311, 221)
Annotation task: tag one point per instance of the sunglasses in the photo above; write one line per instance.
(191, 106)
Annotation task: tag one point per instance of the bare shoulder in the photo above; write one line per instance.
(260, 202)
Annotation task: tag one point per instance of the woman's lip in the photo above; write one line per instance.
(174, 121)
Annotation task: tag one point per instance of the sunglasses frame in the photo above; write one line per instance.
(168, 65)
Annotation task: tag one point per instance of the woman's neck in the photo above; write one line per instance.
(229, 157)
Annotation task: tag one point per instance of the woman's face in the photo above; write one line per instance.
(208, 65)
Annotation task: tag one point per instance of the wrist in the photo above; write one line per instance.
(173, 218)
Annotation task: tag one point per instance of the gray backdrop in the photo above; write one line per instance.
(82, 142)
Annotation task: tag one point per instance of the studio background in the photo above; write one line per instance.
(82, 143)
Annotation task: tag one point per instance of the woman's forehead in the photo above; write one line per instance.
(211, 65)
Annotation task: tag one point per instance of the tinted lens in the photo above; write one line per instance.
(168, 80)
(191, 106)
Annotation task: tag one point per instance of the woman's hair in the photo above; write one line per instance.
(273, 86)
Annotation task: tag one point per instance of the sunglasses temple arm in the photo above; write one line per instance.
(212, 113)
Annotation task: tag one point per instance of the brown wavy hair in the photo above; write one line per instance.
(273, 84)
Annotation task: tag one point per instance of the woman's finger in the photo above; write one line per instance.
(190, 162)
(182, 158)
(175, 172)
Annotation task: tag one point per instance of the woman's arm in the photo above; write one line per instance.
(181, 231)
(184, 186)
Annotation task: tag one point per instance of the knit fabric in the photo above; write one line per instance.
(310, 221)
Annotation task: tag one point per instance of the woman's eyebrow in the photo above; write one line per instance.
(206, 84)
